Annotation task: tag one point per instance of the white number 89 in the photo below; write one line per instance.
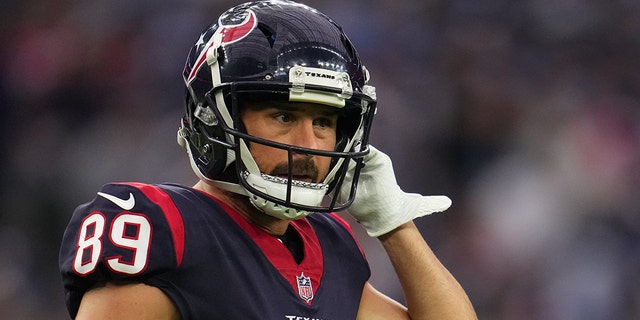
(91, 243)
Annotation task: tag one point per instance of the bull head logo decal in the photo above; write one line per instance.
(225, 34)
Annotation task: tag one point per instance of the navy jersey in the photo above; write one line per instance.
(207, 259)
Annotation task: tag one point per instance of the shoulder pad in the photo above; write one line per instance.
(126, 230)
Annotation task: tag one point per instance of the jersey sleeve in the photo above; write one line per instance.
(128, 232)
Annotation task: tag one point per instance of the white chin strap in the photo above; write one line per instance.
(303, 193)
(299, 194)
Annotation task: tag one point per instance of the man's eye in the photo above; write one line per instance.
(283, 117)
(325, 122)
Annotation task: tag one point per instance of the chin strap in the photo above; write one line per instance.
(231, 187)
(265, 206)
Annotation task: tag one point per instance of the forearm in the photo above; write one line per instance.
(430, 289)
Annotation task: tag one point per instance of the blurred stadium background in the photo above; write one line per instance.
(525, 112)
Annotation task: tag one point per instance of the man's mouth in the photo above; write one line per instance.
(303, 170)
(304, 178)
(297, 180)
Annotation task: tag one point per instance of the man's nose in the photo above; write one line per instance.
(305, 135)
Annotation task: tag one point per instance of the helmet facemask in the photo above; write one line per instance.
(284, 196)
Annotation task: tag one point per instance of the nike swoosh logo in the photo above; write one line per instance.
(122, 203)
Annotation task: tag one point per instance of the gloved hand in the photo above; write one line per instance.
(380, 205)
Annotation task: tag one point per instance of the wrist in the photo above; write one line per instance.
(403, 228)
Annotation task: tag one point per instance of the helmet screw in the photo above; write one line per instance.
(206, 148)
(268, 76)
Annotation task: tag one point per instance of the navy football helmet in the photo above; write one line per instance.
(274, 50)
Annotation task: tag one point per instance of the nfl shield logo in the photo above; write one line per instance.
(305, 291)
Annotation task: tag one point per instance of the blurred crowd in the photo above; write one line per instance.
(525, 112)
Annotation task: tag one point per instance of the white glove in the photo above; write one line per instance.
(380, 205)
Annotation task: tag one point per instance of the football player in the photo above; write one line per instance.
(278, 114)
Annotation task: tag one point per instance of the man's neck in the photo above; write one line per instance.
(241, 204)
